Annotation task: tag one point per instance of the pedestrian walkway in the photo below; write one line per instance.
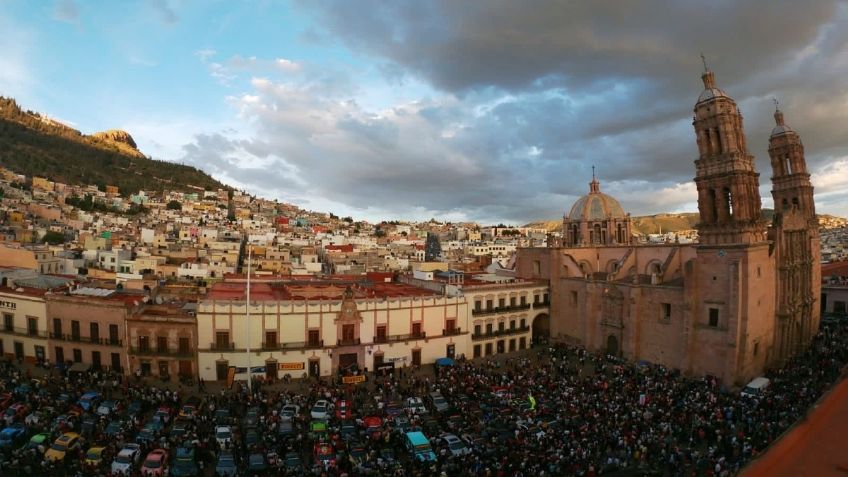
(816, 447)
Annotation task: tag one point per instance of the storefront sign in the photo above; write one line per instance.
(396, 359)
(291, 366)
(353, 379)
(8, 304)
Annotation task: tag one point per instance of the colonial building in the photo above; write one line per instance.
(163, 340)
(88, 325)
(318, 327)
(741, 299)
(23, 333)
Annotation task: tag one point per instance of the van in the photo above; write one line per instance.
(418, 445)
(756, 387)
(438, 402)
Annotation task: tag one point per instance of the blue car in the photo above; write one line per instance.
(13, 435)
(89, 400)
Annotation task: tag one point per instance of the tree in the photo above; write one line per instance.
(174, 205)
(53, 238)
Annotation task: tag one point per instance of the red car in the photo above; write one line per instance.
(343, 411)
(18, 411)
(155, 463)
(5, 400)
(373, 427)
(325, 454)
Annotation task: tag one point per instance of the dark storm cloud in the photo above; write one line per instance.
(532, 94)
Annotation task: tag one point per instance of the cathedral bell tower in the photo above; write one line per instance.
(796, 242)
(732, 281)
(727, 182)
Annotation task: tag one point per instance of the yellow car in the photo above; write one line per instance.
(94, 456)
(66, 442)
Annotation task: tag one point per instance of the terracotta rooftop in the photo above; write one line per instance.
(324, 289)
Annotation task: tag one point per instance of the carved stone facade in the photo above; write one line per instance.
(741, 299)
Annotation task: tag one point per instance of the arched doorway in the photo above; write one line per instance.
(541, 328)
(612, 345)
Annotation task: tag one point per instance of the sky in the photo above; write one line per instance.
(490, 111)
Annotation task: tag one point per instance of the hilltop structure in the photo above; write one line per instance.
(740, 300)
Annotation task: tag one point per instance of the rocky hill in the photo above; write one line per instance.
(35, 145)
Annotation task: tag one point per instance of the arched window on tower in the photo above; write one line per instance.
(711, 206)
(727, 203)
(785, 204)
(718, 147)
(795, 203)
(596, 233)
(619, 234)
(575, 230)
(787, 165)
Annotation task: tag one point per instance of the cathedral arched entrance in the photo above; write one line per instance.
(612, 345)
(541, 328)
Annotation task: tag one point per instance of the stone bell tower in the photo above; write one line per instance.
(727, 182)
(732, 292)
(796, 242)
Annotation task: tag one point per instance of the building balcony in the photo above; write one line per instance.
(292, 345)
(500, 309)
(86, 339)
(222, 346)
(172, 353)
(406, 337)
(499, 333)
(23, 332)
(350, 342)
(452, 332)
(542, 304)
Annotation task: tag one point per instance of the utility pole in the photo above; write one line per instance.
(247, 320)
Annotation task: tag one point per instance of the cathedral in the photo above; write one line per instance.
(740, 300)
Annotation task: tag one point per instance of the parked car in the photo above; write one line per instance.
(414, 406)
(89, 400)
(290, 411)
(226, 466)
(419, 446)
(293, 463)
(321, 410)
(126, 459)
(343, 410)
(256, 463)
(325, 455)
(438, 402)
(94, 456)
(224, 435)
(155, 464)
(68, 441)
(185, 464)
(12, 436)
(455, 445)
(39, 441)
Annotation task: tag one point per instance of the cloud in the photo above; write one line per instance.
(205, 54)
(164, 11)
(520, 100)
(66, 11)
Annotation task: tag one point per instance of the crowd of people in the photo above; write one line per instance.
(555, 410)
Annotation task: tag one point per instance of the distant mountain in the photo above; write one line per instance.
(660, 223)
(647, 224)
(35, 145)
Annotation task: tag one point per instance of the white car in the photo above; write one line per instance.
(126, 459)
(321, 410)
(224, 435)
(455, 445)
(414, 405)
(290, 411)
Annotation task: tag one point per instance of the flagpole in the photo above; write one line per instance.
(247, 321)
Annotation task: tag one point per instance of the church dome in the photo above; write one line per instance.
(596, 206)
